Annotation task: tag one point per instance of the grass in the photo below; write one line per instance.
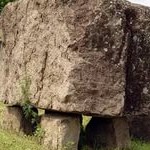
(138, 145)
(135, 145)
(13, 141)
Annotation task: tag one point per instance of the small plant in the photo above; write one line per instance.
(39, 132)
(30, 112)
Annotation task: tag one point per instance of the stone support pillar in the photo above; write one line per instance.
(107, 133)
(140, 127)
(13, 119)
(61, 131)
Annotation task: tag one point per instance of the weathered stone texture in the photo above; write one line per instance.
(1, 34)
(82, 56)
(13, 119)
(1, 52)
(61, 131)
(138, 62)
(107, 133)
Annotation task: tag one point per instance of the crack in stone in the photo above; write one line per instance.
(39, 88)
(130, 104)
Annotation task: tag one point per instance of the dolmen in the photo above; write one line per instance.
(73, 58)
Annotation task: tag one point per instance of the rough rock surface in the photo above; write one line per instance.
(61, 131)
(107, 133)
(13, 119)
(87, 56)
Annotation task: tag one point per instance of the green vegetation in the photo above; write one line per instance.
(12, 141)
(30, 112)
(138, 145)
(86, 120)
(135, 145)
(3, 3)
(39, 132)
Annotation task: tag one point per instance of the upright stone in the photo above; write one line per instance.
(108, 133)
(61, 131)
(13, 119)
(140, 127)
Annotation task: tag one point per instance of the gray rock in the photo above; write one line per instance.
(61, 131)
(85, 56)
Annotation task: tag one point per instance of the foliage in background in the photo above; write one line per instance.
(3, 3)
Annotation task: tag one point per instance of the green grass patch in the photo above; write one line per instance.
(135, 145)
(14, 141)
(139, 145)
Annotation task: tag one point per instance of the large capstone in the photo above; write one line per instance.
(88, 56)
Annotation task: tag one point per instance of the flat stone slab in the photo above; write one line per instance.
(87, 57)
